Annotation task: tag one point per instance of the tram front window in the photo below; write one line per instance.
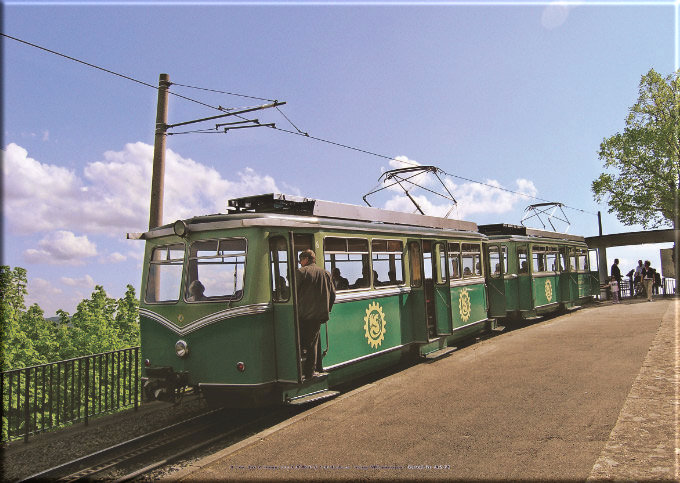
(219, 266)
(165, 273)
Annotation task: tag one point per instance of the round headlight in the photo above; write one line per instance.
(180, 228)
(181, 348)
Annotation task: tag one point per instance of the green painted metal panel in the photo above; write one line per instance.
(468, 304)
(361, 328)
(443, 308)
(543, 289)
(526, 298)
(215, 349)
(512, 293)
(285, 340)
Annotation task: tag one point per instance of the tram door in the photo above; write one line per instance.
(495, 280)
(434, 297)
(442, 290)
(416, 299)
(565, 275)
(285, 324)
(284, 251)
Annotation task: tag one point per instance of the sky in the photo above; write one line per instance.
(512, 95)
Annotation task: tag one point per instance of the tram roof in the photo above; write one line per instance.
(299, 211)
(297, 205)
(499, 230)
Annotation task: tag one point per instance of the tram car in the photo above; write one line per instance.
(218, 302)
(534, 272)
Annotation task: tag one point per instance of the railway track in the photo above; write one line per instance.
(139, 456)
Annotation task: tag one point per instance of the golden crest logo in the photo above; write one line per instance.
(180, 318)
(548, 290)
(375, 325)
(464, 305)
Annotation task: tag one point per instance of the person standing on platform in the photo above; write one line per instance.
(316, 295)
(638, 277)
(648, 279)
(614, 286)
(630, 281)
(616, 273)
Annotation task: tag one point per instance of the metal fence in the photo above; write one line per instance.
(667, 287)
(38, 398)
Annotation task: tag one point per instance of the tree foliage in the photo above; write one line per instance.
(99, 324)
(641, 181)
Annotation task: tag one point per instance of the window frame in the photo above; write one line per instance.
(387, 251)
(220, 298)
(153, 263)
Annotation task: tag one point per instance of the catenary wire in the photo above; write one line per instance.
(412, 163)
(298, 133)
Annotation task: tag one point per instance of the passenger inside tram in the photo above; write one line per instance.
(340, 282)
(196, 290)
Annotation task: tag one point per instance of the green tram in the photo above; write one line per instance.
(218, 301)
(533, 272)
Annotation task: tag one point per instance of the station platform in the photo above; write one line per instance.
(588, 395)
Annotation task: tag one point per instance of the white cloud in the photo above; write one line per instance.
(46, 295)
(85, 281)
(61, 247)
(112, 195)
(114, 257)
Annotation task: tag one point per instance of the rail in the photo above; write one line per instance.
(57, 394)
(667, 287)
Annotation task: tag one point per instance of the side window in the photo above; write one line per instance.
(440, 263)
(427, 259)
(278, 258)
(538, 257)
(302, 241)
(216, 270)
(414, 263)
(347, 261)
(165, 273)
(573, 260)
(495, 261)
(522, 259)
(472, 259)
(454, 261)
(551, 259)
(386, 258)
(583, 259)
(564, 257)
(504, 255)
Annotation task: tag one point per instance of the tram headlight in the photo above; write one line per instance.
(180, 228)
(181, 348)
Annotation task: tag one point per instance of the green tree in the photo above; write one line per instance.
(127, 318)
(17, 347)
(641, 181)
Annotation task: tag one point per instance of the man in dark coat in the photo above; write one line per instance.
(616, 271)
(316, 295)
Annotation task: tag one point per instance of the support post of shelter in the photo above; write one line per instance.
(158, 176)
(603, 270)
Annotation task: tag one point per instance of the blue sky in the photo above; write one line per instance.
(518, 96)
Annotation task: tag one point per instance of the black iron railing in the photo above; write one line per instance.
(38, 398)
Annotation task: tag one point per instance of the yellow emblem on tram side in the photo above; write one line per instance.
(548, 290)
(180, 318)
(375, 325)
(464, 305)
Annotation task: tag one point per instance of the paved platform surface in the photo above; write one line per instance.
(588, 395)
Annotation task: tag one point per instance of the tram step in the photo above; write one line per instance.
(315, 396)
(439, 353)
(575, 307)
